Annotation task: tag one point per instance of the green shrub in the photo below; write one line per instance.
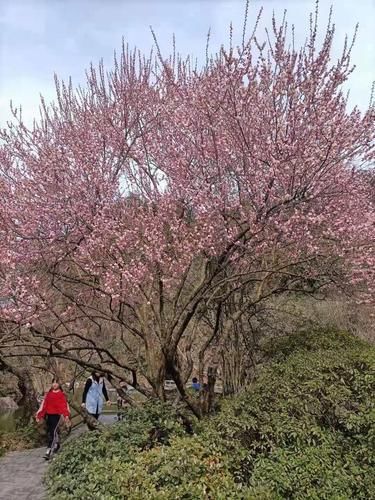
(279, 348)
(186, 469)
(304, 430)
(70, 473)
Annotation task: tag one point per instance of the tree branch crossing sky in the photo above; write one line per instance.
(41, 37)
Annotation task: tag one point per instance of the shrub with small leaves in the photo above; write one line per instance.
(305, 429)
(70, 474)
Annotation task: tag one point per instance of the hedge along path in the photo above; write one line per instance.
(22, 472)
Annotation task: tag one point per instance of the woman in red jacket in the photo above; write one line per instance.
(54, 409)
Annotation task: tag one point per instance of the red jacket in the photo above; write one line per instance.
(54, 403)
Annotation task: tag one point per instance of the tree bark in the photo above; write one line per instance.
(208, 391)
(29, 400)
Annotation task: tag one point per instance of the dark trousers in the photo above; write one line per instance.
(53, 421)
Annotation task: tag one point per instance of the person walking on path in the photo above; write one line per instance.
(196, 386)
(55, 410)
(94, 394)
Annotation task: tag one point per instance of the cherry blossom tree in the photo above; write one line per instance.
(138, 206)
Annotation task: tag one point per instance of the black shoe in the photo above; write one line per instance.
(48, 453)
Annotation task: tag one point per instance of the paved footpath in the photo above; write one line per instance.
(21, 472)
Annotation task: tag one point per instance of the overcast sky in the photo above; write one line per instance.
(40, 37)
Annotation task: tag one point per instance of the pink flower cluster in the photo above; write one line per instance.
(157, 165)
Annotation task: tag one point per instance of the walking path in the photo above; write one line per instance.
(21, 472)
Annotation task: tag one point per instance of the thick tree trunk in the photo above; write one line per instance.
(174, 369)
(156, 368)
(208, 392)
(29, 400)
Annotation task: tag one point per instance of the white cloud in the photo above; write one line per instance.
(39, 38)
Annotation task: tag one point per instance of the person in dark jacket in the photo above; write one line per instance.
(55, 409)
(195, 385)
(94, 394)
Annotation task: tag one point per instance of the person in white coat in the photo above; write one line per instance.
(94, 395)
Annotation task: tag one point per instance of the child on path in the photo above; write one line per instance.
(55, 410)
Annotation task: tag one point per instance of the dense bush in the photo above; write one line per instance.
(186, 469)
(304, 430)
(80, 470)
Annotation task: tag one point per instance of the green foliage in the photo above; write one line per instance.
(185, 470)
(70, 475)
(304, 430)
(280, 348)
(24, 437)
(307, 427)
